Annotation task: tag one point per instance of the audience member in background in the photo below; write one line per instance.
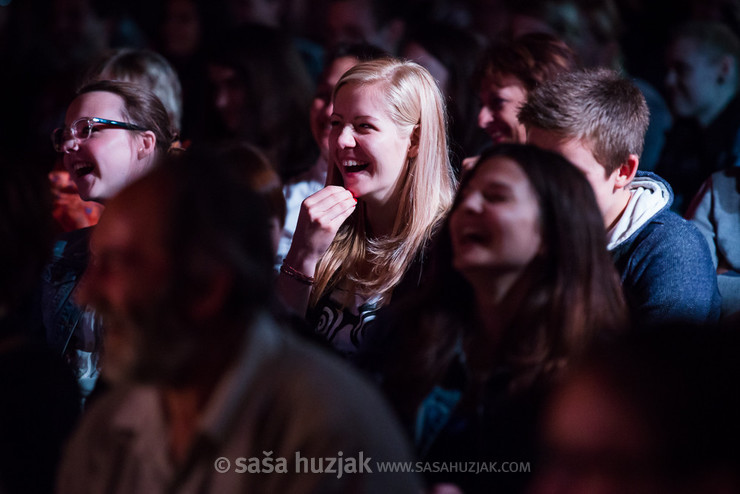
(183, 29)
(145, 68)
(113, 133)
(509, 71)
(594, 30)
(261, 94)
(255, 173)
(361, 241)
(68, 35)
(450, 54)
(702, 83)
(376, 22)
(521, 287)
(597, 120)
(716, 213)
(201, 370)
(337, 62)
(655, 412)
(40, 400)
(273, 13)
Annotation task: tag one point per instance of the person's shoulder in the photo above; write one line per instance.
(727, 179)
(308, 378)
(308, 367)
(669, 230)
(314, 393)
(122, 408)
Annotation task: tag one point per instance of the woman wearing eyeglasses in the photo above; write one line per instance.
(113, 133)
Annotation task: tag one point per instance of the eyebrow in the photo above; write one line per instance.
(358, 117)
(496, 185)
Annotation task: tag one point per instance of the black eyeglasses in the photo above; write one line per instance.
(82, 128)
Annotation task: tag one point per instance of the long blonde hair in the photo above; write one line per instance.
(415, 104)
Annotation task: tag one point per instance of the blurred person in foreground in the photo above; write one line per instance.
(653, 412)
(40, 400)
(201, 372)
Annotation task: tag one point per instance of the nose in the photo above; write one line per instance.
(485, 117)
(471, 202)
(346, 139)
(70, 144)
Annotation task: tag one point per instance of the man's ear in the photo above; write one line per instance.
(727, 68)
(414, 146)
(147, 144)
(626, 172)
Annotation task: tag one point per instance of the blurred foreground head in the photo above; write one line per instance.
(181, 261)
(657, 412)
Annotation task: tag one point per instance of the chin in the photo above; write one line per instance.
(85, 195)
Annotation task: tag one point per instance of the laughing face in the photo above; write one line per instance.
(368, 148)
(495, 227)
(500, 101)
(109, 159)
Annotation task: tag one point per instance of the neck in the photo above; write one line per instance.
(721, 99)
(490, 290)
(481, 346)
(381, 216)
(621, 200)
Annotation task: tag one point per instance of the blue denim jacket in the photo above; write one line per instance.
(666, 268)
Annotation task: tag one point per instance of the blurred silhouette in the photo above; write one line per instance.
(200, 370)
(655, 412)
(702, 83)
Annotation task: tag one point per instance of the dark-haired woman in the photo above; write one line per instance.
(523, 284)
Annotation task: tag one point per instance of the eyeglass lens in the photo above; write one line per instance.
(80, 129)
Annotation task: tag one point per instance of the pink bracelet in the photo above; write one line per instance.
(295, 274)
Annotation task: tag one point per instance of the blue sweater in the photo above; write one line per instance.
(664, 262)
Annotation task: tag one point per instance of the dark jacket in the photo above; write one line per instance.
(664, 262)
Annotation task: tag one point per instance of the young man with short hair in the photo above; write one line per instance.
(597, 119)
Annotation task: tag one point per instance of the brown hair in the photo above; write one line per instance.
(140, 107)
(568, 296)
(532, 58)
(597, 106)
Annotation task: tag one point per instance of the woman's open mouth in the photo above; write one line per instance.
(353, 166)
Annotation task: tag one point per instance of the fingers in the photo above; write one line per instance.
(319, 220)
(327, 197)
(329, 203)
